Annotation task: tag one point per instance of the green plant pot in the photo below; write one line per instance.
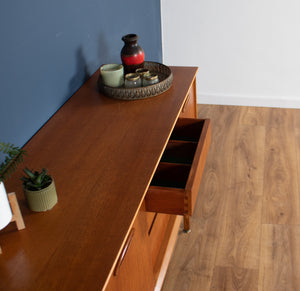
(41, 200)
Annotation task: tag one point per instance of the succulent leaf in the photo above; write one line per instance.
(36, 180)
(29, 173)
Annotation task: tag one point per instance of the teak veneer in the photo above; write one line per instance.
(103, 154)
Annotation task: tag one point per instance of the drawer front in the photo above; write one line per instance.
(174, 187)
(189, 109)
(157, 235)
(150, 217)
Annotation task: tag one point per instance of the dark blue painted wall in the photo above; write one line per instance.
(48, 48)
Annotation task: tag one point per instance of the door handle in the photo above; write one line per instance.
(124, 251)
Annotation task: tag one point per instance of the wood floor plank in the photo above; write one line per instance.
(205, 110)
(281, 203)
(194, 256)
(192, 263)
(234, 278)
(211, 197)
(297, 135)
(245, 228)
(296, 116)
(280, 258)
(240, 235)
(253, 115)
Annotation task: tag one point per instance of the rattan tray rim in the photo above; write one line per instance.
(165, 83)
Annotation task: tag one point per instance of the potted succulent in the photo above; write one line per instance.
(12, 157)
(39, 190)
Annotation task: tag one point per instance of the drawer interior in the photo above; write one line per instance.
(187, 129)
(181, 152)
(175, 184)
(171, 175)
(177, 159)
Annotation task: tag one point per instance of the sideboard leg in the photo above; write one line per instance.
(186, 223)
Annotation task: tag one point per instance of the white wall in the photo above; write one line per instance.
(247, 51)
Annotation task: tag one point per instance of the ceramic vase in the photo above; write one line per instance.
(132, 54)
(5, 211)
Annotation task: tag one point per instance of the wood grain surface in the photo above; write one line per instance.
(246, 224)
(102, 154)
(280, 257)
(281, 180)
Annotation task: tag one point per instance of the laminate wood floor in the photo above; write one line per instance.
(246, 223)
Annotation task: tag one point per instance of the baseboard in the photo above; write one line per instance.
(259, 101)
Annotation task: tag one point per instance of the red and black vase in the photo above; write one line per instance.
(132, 54)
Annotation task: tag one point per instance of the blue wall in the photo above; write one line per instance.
(49, 48)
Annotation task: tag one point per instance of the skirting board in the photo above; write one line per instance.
(258, 101)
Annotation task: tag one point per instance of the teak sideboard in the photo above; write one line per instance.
(126, 172)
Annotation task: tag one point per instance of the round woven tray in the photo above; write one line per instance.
(165, 82)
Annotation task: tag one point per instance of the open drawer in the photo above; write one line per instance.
(175, 184)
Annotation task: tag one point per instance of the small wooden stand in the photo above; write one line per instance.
(15, 209)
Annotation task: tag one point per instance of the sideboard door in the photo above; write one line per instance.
(134, 270)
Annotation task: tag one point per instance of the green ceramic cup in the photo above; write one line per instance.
(112, 75)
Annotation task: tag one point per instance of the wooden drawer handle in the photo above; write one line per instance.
(124, 251)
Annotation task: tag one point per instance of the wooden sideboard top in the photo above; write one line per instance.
(102, 154)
